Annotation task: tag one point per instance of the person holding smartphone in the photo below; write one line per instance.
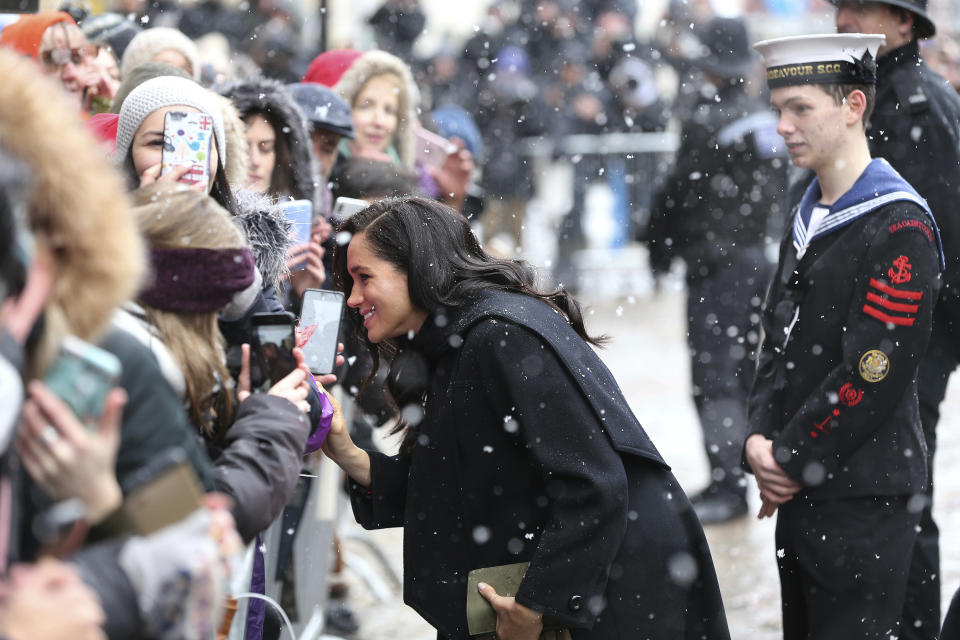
(383, 102)
(518, 445)
(281, 166)
(54, 40)
(202, 262)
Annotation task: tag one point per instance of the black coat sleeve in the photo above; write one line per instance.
(584, 474)
(762, 408)
(382, 504)
(887, 330)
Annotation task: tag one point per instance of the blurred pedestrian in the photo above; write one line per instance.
(518, 445)
(916, 128)
(834, 436)
(397, 24)
(510, 109)
(727, 182)
(329, 121)
(161, 44)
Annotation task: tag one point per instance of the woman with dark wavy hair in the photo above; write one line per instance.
(518, 445)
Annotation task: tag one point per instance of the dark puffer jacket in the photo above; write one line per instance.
(274, 101)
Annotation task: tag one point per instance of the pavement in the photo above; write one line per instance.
(648, 356)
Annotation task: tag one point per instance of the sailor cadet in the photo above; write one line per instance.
(834, 437)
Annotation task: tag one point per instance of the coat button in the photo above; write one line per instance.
(575, 603)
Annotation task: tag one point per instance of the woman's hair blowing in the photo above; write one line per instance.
(444, 263)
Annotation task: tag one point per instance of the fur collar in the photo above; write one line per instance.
(267, 231)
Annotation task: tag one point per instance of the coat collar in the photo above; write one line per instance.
(908, 54)
(445, 328)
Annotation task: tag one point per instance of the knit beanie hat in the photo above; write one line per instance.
(166, 91)
(147, 44)
(111, 29)
(327, 67)
(25, 34)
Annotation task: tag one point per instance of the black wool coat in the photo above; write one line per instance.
(528, 451)
(837, 393)
(915, 126)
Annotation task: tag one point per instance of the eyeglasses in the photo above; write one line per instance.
(55, 58)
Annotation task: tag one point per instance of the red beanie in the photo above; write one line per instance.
(25, 34)
(327, 67)
(104, 127)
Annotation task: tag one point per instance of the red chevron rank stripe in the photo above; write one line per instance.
(884, 300)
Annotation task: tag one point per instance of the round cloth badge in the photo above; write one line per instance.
(874, 365)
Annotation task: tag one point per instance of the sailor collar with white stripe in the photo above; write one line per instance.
(878, 185)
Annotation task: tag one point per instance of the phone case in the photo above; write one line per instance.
(187, 137)
(432, 149)
(82, 376)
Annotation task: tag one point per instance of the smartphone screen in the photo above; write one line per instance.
(81, 376)
(187, 138)
(320, 328)
(275, 343)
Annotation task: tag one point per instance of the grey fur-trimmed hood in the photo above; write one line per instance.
(273, 98)
(267, 231)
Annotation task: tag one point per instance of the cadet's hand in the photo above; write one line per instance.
(767, 509)
(514, 621)
(775, 485)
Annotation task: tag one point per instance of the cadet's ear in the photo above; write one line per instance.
(856, 106)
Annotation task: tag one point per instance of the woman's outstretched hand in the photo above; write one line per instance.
(340, 448)
(514, 621)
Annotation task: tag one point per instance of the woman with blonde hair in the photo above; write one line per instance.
(201, 263)
(383, 102)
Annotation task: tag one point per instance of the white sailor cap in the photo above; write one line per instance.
(833, 58)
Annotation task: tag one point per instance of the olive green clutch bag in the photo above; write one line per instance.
(505, 580)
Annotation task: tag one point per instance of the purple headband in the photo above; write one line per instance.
(197, 280)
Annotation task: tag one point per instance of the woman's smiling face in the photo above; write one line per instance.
(380, 293)
(375, 112)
